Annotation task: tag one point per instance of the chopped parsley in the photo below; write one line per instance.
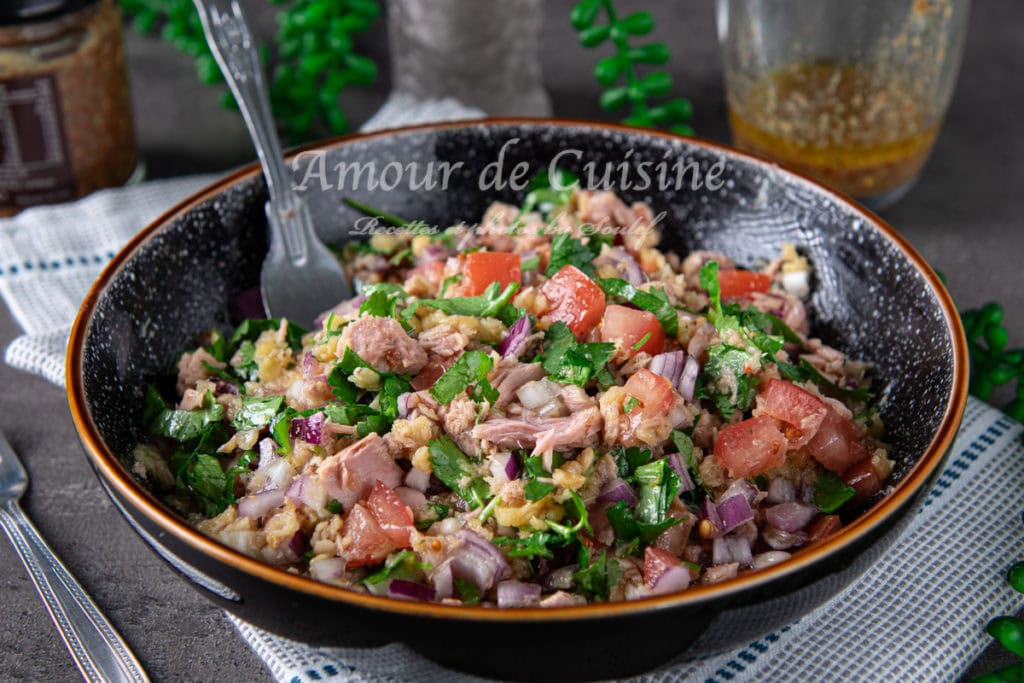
(401, 565)
(597, 577)
(493, 303)
(731, 387)
(570, 362)
(335, 507)
(251, 329)
(470, 369)
(382, 299)
(468, 592)
(256, 412)
(454, 468)
(185, 425)
(831, 492)
(643, 340)
(566, 250)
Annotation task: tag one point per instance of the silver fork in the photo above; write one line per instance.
(301, 278)
(98, 650)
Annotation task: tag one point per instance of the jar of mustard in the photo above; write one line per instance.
(65, 112)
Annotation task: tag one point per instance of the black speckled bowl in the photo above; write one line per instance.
(873, 296)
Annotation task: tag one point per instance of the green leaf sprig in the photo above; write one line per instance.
(619, 72)
(992, 364)
(316, 59)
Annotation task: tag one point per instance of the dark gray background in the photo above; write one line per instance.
(964, 216)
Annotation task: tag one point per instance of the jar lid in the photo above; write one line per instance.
(29, 11)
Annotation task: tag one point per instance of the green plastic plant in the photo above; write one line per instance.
(1009, 631)
(992, 364)
(619, 73)
(314, 57)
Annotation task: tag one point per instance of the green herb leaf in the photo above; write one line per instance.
(251, 329)
(597, 577)
(570, 362)
(535, 490)
(400, 565)
(335, 507)
(256, 412)
(187, 425)
(470, 368)
(659, 485)
(730, 387)
(629, 459)
(628, 529)
(491, 304)
(454, 468)
(831, 492)
(566, 250)
(467, 591)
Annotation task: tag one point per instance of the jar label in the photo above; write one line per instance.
(35, 167)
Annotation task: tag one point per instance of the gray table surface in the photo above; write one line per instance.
(964, 216)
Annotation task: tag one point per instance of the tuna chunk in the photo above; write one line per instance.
(384, 345)
(191, 368)
(545, 434)
(511, 377)
(349, 475)
(443, 340)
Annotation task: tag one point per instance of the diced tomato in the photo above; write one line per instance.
(433, 271)
(751, 447)
(629, 326)
(864, 479)
(574, 299)
(802, 411)
(836, 444)
(363, 541)
(430, 373)
(823, 527)
(484, 267)
(742, 283)
(653, 391)
(656, 563)
(393, 516)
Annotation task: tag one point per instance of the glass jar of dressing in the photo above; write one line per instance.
(65, 113)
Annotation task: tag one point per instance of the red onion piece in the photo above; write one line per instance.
(411, 497)
(626, 265)
(268, 452)
(410, 590)
(673, 580)
(790, 516)
(477, 560)
(432, 252)
(443, 580)
(518, 594)
(512, 345)
(403, 404)
(259, 504)
(224, 387)
(306, 491)
(512, 467)
(734, 511)
(710, 511)
(327, 569)
(781, 490)
(782, 540)
(417, 479)
(298, 544)
(277, 475)
(688, 380)
(309, 429)
(731, 549)
(669, 365)
(675, 461)
(617, 490)
(740, 487)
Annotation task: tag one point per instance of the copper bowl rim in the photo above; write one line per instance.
(118, 477)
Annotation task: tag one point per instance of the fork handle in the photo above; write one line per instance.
(98, 650)
(231, 41)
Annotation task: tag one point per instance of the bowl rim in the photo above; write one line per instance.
(117, 476)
